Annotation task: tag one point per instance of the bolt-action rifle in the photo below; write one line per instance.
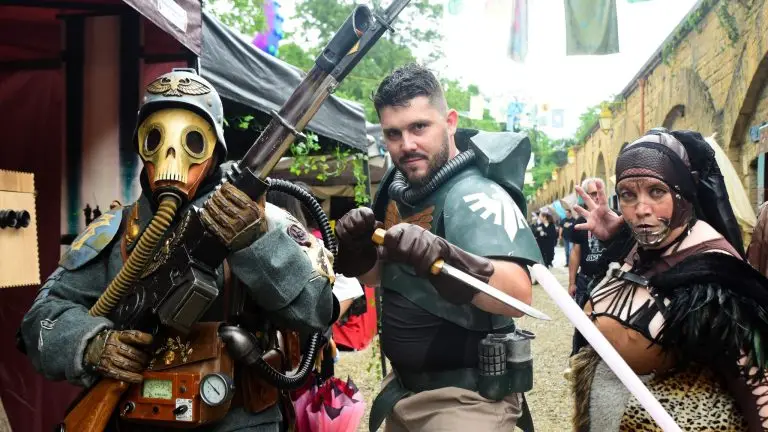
(170, 287)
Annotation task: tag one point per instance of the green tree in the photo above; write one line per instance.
(586, 121)
(247, 16)
(293, 54)
(458, 98)
(548, 155)
(417, 28)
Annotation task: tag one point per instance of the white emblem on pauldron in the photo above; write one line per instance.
(45, 324)
(503, 210)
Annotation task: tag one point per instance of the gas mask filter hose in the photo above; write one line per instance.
(138, 259)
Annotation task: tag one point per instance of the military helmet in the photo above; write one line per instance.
(184, 88)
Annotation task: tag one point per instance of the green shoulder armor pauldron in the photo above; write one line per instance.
(481, 216)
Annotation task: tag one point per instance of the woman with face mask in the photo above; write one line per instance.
(685, 311)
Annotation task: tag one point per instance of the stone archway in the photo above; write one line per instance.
(600, 168)
(677, 112)
(747, 106)
(685, 88)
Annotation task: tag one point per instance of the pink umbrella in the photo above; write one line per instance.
(335, 407)
(301, 399)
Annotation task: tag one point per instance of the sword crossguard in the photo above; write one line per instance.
(378, 238)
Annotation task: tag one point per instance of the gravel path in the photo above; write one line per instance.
(550, 400)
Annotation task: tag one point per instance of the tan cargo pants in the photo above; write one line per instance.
(452, 409)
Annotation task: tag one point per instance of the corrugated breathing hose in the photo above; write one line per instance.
(138, 259)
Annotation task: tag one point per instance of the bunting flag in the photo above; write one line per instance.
(518, 41)
(591, 27)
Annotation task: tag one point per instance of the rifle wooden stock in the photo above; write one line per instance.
(92, 413)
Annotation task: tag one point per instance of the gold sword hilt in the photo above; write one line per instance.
(378, 238)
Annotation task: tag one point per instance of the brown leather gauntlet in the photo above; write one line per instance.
(414, 245)
(234, 217)
(118, 354)
(357, 252)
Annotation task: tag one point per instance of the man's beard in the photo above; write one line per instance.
(434, 165)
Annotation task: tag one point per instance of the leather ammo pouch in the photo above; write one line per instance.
(256, 393)
(174, 379)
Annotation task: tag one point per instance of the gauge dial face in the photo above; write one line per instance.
(157, 389)
(215, 389)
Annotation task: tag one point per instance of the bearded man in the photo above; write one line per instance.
(443, 199)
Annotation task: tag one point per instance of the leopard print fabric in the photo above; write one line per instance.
(694, 397)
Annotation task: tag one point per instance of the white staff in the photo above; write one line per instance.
(604, 348)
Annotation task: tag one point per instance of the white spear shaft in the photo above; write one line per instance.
(604, 348)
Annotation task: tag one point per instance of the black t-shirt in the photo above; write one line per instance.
(567, 225)
(591, 249)
(415, 340)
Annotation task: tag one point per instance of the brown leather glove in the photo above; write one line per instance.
(234, 217)
(117, 354)
(357, 253)
(414, 245)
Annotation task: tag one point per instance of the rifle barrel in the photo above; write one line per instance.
(307, 98)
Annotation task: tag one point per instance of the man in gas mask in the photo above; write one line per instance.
(179, 137)
(438, 203)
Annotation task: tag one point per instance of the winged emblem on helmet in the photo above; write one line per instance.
(422, 218)
(172, 86)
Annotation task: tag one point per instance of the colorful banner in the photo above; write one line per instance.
(518, 41)
(591, 27)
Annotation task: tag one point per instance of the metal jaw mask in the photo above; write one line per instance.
(663, 157)
(177, 147)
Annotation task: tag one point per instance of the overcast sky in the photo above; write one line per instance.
(475, 52)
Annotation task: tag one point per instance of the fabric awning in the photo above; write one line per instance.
(179, 18)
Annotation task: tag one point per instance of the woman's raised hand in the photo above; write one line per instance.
(600, 219)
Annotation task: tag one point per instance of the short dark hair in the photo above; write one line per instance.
(408, 82)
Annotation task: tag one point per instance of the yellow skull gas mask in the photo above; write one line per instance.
(177, 148)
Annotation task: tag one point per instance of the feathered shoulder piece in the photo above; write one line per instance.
(717, 308)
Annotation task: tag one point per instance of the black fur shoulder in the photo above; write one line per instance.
(717, 309)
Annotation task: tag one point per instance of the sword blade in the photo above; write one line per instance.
(493, 292)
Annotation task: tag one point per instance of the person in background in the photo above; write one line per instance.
(537, 228)
(566, 229)
(548, 232)
(584, 260)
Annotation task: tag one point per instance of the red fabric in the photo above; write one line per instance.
(29, 33)
(34, 105)
(157, 41)
(151, 71)
(359, 330)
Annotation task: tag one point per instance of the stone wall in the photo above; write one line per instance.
(708, 83)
